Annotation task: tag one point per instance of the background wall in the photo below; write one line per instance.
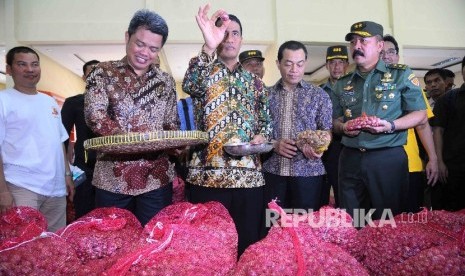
(420, 23)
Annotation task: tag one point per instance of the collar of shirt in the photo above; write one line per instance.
(124, 63)
(279, 85)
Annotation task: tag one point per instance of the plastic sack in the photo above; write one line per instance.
(19, 224)
(184, 239)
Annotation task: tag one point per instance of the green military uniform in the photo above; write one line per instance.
(330, 157)
(386, 92)
(373, 168)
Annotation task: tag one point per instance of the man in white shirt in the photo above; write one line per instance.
(34, 170)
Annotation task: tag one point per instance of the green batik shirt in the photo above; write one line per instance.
(231, 106)
(388, 92)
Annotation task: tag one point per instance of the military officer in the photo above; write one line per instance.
(252, 61)
(373, 167)
(337, 62)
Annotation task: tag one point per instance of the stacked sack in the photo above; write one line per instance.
(404, 246)
(184, 239)
(26, 249)
(101, 237)
(296, 248)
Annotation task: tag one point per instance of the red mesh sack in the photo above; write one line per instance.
(453, 222)
(334, 226)
(440, 260)
(20, 224)
(381, 247)
(296, 251)
(184, 239)
(362, 122)
(47, 254)
(460, 211)
(102, 236)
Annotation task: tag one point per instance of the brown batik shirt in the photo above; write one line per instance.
(117, 101)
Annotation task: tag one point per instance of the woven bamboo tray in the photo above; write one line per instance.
(135, 142)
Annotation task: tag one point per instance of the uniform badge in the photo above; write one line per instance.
(379, 96)
(385, 107)
(414, 80)
(387, 77)
(348, 113)
(348, 88)
(391, 95)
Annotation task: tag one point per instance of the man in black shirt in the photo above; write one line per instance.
(72, 114)
(449, 141)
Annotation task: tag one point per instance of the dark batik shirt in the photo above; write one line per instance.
(117, 101)
(308, 107)
(230, 106)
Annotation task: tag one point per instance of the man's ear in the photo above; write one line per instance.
(126, 37)
(8, 70)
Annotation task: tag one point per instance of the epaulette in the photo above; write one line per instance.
(347, 74)
(397, 66)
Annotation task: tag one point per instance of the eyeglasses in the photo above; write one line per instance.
(389, 52)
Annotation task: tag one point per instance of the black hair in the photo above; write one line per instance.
(151, 21)
(441, 72)
(390, 38)
(89, 63)
(291, 45)
(449, 73)
(16, 50)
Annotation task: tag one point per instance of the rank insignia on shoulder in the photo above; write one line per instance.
(397, 66)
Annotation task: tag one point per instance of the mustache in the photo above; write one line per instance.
(357, 53)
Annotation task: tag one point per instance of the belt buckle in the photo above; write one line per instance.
(362, 149)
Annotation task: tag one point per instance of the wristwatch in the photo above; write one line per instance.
(393, 127)
(68, 174)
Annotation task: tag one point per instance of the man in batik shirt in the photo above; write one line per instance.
(295, 176)
(231, 105)
(133, 95)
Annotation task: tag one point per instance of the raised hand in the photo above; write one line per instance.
(212, 34)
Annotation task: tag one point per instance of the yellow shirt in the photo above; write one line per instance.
(415, 164)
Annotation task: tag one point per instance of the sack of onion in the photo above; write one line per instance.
(20, 224)
(184, 239)
(295, 249)
(102, 236)
(47, 254)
